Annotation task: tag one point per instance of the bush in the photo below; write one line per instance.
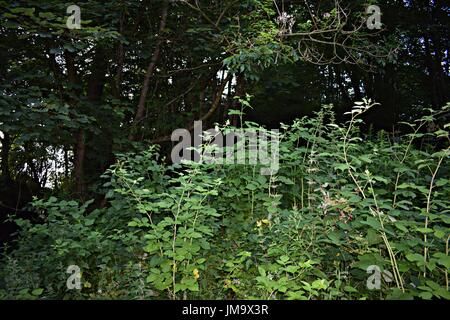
(343, 207)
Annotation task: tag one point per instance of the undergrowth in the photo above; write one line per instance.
(347, 216)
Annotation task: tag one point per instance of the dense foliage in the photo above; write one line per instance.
(359, 208)
(338, 205)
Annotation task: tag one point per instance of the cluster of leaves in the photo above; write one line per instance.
(341, 202)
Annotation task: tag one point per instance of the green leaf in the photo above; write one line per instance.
(261, 271)
(37, 292)
(442, 182)
(415, 257)
(341, 166)
(442, 259)
(426, 295)
(373, 222)
(350, 289)
(425, 230)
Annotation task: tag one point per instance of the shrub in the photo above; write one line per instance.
(342, 204)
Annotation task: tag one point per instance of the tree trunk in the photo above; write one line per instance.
(79, 147)
(6, 147)
(151, 67)
(79, 153)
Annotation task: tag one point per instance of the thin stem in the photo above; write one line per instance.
(425, 239)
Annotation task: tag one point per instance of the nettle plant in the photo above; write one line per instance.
(371, 202)
(179, 224)
(342, 204)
